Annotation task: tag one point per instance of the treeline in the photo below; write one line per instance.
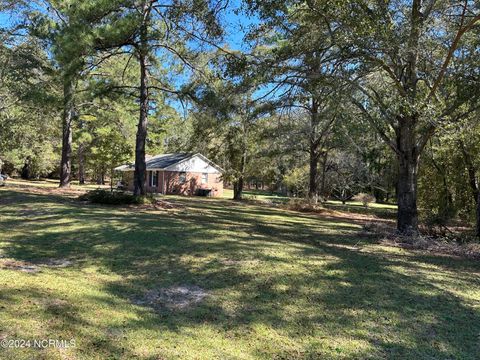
(326, 99)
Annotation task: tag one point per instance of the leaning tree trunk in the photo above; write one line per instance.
(140, 164)
(66, 161)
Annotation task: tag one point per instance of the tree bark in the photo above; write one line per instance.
(68, 110)
(81, 164)
(238, 184)
(141, 138)
(324, 174)
(26, 169)
(407, 221)
(313, 174)
(238, 188)
(473, 182)
(472, 174)
(478, 215)
(407, 197)
(313, 152)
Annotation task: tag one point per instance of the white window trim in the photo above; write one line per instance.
(152, 177)
(180, 177)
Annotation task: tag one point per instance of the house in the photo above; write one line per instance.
(178, 173)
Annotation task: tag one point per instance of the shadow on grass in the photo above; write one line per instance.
(286, 271)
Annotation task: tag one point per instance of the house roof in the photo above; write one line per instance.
(164, 161)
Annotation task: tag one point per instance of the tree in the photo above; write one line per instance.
(404, 58)
(225, 119)
(299, 64)
(68, 29)
(29, 108)
(403, 85)
(448, 179)
(173, 32)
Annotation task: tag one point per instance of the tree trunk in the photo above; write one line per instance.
(324, 174)
(471, 171)
(313, 173)
(478, 216)
(407, 219)
(473, 182)
(26, 169)
(238, 189)
(238, 184)
(140, 164)
(81, 164)
(313, 152)
(66, 162)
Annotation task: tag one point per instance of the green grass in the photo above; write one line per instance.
(257, 195)
(282, 285)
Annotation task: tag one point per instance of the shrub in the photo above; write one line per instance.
(304, 205)
(364, 198)
(251, 197)
(100, 196)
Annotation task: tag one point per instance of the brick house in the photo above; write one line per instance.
(178, 173)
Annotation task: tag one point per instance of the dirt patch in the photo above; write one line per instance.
(55, 304)
(19, 266)
(160, 204)
(178, 297)
(236, 263)
(50, 262)
(34, 266)
(32, 189)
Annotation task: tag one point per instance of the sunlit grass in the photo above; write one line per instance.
(280, 284)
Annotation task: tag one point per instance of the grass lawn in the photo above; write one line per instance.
(278, 284)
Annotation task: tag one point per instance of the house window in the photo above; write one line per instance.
(204, 178)
(182, 178)
(153, 178)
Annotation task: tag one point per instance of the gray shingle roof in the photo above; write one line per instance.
(165, 160)
(160, 161)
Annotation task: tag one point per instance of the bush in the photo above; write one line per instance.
(364, 198)
(304, 205)
(251, 197)
(100, 196)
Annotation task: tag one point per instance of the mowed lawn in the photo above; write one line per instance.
(278, 284)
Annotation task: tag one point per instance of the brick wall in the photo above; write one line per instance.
(170, 181)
